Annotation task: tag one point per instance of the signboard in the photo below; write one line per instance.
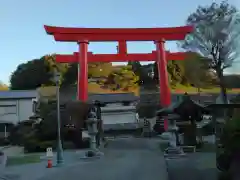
(49, 152)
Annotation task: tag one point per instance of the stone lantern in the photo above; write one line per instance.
(92, 128)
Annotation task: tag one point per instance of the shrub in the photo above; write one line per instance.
(4, 142)
(230, 143)
(19, 133)
(224, 176)
(31, 145)
(231, 135)
(46, 144)
(147, 110)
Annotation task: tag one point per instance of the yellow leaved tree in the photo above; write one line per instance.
(99, 69)
(51, 63)
(123, 79)
(3, 87)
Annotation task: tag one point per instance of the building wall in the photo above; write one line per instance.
(25, 109)
(16, 110)
(8, 111)
(116, 117)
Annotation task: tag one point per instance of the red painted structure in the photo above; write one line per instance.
(73, 58)
(85, 35)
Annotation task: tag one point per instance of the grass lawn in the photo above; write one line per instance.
(20, 160)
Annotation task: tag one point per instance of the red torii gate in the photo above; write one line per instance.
(85, 35)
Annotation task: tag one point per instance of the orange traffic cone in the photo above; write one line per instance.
(49, 163)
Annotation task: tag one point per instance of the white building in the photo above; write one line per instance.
(16, 106)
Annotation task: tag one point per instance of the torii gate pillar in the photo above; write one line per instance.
(165, 98)
(82, 93)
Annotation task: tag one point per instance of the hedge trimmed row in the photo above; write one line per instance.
(33, 145)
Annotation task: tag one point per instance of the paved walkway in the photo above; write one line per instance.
(37, 170)
(197, 166)
(124, 159)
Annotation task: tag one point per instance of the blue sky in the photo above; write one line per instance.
(23, 38)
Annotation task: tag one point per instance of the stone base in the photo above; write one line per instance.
(174, 152)
(92, 154)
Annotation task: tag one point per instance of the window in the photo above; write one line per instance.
(12, 109)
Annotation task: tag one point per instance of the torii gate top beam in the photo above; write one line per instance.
(117, 34)
(72, 58)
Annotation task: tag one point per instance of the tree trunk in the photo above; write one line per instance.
(222, 86)
(199, 94)
(223, 92)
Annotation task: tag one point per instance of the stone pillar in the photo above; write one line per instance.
(174, 149)
(92, 122)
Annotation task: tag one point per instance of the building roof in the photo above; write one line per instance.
(113, 98)
(18, 94)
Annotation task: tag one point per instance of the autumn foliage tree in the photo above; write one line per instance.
(99, 69)
(3, 86)
(121, 79)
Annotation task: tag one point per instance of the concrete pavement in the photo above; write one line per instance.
(197, 166)
(124, 159)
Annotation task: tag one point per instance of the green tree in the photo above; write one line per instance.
(215, 37)
(142, 71)
(197, 73)
(30, 75)
(175, 73)
(136, 67)
(37, 72)
(50, 62)
(71, 75)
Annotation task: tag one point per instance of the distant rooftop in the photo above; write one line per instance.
(18, 94)
(113, 98)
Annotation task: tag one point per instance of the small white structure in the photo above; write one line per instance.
(49, 152)
(16, 106)
(116, 116)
